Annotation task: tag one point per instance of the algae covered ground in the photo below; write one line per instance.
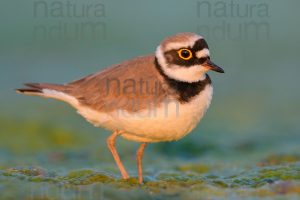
(44, 160)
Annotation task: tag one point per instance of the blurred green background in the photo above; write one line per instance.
(253, 121)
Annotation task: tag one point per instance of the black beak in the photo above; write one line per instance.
(212, 66)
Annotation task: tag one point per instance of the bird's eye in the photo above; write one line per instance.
(185, 54)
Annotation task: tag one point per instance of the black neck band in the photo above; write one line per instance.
(185, 90)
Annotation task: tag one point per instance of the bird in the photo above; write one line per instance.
(159, 97)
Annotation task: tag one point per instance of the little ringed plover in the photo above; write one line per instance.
(154, 98)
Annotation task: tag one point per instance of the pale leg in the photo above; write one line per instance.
(139, 158)
(111, 146)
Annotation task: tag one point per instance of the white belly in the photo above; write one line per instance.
(171, 121)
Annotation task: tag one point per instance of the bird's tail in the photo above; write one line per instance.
(47, 90)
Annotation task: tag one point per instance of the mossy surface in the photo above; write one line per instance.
(258, 182)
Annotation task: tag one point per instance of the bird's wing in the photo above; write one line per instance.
(132, 85)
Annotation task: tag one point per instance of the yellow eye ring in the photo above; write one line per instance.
(185, 54)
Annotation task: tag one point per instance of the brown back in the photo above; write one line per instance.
(131, 85)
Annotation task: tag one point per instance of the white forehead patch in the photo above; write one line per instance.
(203, 53)
(177, 45)
(181, 73)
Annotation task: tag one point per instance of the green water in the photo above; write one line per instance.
(246, 147)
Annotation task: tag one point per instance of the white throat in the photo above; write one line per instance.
(181, 73)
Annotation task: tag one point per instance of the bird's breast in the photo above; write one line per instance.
(171, 120)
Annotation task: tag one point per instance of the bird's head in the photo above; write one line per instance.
(185, 57)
